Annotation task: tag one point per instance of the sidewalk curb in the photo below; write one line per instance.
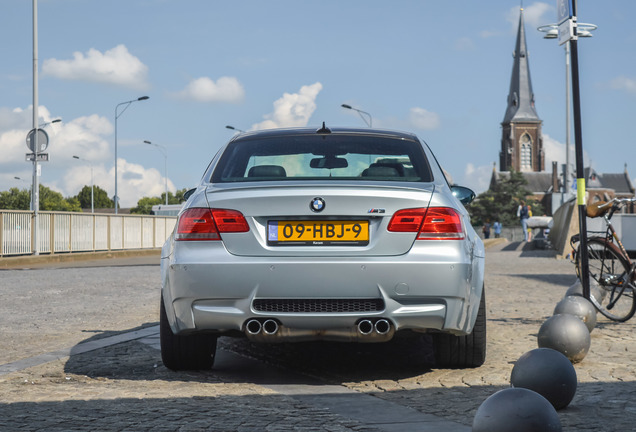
(21, 261)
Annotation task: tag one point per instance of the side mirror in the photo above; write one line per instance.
(463, 194)
(189, 193)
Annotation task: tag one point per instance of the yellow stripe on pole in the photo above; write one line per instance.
(580, 191)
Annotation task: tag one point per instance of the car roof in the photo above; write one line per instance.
(288, 132)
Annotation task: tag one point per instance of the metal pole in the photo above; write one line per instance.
(35, 194)
(165, 157)
(580, 174)
(92, 192)
(116, 197)
(566, 182)
(126, 105)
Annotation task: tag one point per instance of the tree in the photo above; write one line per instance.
(100, 198)
(54, 201)
(144, 205)
(15, 199)
(501, 202)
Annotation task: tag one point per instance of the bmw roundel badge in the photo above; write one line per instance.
(317, 205)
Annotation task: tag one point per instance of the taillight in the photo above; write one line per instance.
(441, 223)
(208, 224)
(435, 223)
(407, 220)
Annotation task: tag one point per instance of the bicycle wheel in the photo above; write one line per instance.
(608, 267)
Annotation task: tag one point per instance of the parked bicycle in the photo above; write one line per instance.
(609, 264)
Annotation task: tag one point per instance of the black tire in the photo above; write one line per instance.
(190, 352)
(467, 351)
(608, 267)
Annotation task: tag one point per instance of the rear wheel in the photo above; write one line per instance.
(463, 351)
(610, 269)
(185, 352)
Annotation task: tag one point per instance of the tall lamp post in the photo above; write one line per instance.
(552, 32)
(92, 187)
(117, 114)
(164, 150)
(365, 116)
(233, 128)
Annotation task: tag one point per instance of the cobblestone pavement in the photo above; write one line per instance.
(125, 386)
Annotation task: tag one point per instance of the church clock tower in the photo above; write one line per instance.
(521, 140)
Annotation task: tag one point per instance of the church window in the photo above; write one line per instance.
(526, 153)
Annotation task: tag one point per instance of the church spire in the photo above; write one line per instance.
(520, 97)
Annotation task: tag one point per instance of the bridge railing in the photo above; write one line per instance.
(61, 232)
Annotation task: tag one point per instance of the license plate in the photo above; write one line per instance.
(318, 233)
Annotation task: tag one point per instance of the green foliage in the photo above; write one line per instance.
(501, 202)
(144, 205)
(15, 199)
(100, 198)
(54, 201)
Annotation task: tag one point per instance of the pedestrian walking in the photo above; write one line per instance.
(496, 226)
(486, 230)
(523, 215)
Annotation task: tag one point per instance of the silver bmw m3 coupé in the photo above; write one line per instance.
(350, 235)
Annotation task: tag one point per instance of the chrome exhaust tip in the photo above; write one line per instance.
(365, 327)
(253, 327)
(270, 327)
(382, 326)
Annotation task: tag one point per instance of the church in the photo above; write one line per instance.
(522, 145)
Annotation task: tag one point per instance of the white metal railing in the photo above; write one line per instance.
(81, 232)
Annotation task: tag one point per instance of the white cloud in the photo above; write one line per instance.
(477, 177)
(624, 83)
(204, 89)
(115, 66)
(292, 110)
(554, 151)
(423, 119)
(533, 15)
(135, 181)
(90, 138)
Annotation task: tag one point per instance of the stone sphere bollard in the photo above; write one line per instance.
(580, 307)
(566, 334)
(518, 410)
(547, 372)
(576, 289)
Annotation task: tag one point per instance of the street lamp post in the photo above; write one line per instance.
(92, 187)
(117, 114)
(164, 150)
(552, 32)
(233, 128)
(365, 116)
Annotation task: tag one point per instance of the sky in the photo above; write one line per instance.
(439, 69)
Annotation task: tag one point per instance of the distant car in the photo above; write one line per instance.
(349, 235)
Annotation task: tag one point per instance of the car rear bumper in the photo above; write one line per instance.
(316, 298)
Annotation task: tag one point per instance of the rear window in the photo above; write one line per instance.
(323, 157)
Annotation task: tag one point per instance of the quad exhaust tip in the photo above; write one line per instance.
(253, 327)
(381, 327)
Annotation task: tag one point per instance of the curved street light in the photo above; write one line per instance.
(233, 128)
(365, 116)
(117, 114)
(92, 187)
(552, 32)
(164, 150)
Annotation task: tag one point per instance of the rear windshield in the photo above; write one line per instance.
(323, 157)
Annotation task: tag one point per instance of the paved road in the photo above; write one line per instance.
(71, 363)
